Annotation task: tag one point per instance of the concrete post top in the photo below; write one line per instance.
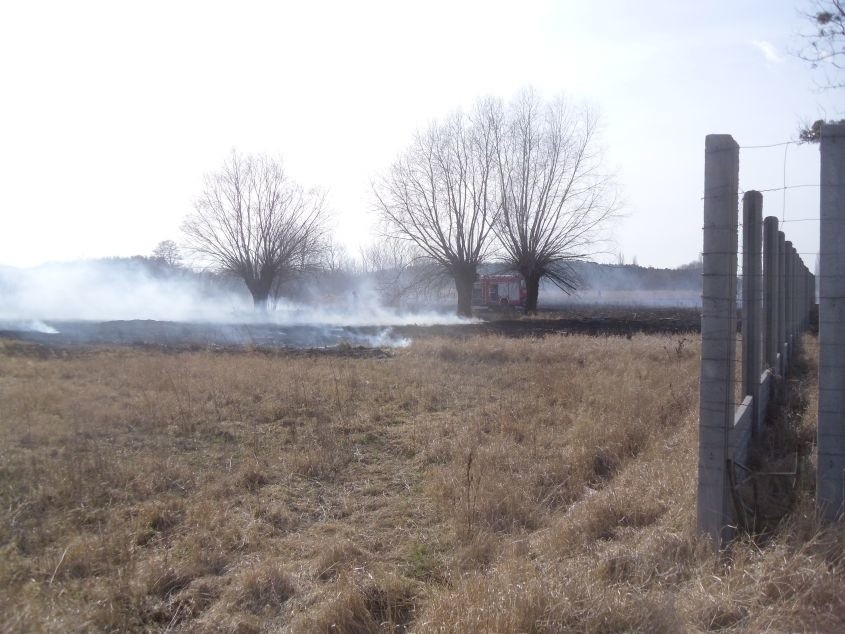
(718, 142)
(828, 129)
(752, 195)
(788, 244)
(771, 220)
(781, 236)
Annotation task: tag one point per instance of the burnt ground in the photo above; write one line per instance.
(582, 320)
(348, 341)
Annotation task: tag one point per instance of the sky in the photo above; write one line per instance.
(112, 112)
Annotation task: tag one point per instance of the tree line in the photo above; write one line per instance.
(520, 183)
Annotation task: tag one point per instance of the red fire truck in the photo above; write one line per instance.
(499, 290)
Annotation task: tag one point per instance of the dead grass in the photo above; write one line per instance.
(482, 485)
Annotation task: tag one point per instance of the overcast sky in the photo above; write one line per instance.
(111, 112)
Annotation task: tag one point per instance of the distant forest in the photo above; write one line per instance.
(623, 277)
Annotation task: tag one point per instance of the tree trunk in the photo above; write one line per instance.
(464, 281)
(532, 286)
(259, 301)
(260, 290)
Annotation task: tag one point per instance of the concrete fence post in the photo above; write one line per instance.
(770, 296)
(790, 296)
(796, 281)
(782, 303)
(752, 297)
(810, 287)
(793, 281)
(787, 294)
(793, 278)
(802, 280)
(805, 285)
(799, 296)
(813, 286)
(796, 274)
(803, 304)
(810, 297)
(831, 430)
(718, 336)
(799, 278)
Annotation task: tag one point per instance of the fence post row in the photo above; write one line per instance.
(776, 299)
(831, 431)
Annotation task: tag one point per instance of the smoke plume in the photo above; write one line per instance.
(46, 299)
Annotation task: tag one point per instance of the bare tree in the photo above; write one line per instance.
(167, 251)
(440, 196)
(555, 198)
(389, 264)
(336, 276)
(335, 258)
(253, 221)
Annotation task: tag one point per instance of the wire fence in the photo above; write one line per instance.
(756, 298)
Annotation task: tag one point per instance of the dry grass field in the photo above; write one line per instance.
(486, 485)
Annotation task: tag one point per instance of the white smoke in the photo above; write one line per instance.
(360, 306)
(627, 285)
(27, 325)
(103, 291)
(135, 290)
(553, 297)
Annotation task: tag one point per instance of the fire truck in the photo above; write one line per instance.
(499, 290)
